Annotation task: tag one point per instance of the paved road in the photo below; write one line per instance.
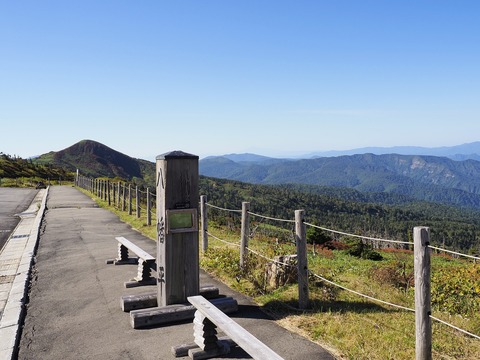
(12, 201)
(74, 301)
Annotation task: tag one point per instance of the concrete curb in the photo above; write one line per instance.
(18, 253)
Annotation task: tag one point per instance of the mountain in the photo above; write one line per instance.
(94, 159)
(429, 178)
(458, 152)
(245, 157)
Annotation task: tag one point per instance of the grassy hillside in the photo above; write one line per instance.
(348, 324)
(15, 167)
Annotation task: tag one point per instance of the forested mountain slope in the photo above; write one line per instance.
(428, 178)
(350, 211)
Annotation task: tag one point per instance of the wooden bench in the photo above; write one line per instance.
(145, 262)
(207, 318)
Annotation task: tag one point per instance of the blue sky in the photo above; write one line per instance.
(211, 77)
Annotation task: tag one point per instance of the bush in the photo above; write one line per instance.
(361, 250)
(456, 290)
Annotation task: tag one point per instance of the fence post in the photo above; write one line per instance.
(245, 232)
(129, 199)
(119, 195)
(302, 263)
(203, 215)
(108, 193)
(124, 197)
(111, 189)
(149, 208)
(137, 201)
(423, 322)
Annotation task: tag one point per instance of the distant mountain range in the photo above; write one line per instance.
(469, 151)
(421, 177)
(458, 152)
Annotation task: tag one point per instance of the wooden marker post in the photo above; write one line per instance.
(177, 228)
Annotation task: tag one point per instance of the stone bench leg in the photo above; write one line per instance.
(144, 275)
(144, 271)
(122, 253)
(122, 257)
(205, 337)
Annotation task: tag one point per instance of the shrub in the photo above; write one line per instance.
(359, 249)
(456, 290)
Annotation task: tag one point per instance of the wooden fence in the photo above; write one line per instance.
(121, 195)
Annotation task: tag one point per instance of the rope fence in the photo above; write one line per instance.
(123, 198)
(358, 236)
(332, 283)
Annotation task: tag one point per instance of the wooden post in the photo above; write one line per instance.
(149, 208)
(245, 232)
(108, 193)
(124, 197)
(204, 222)
(302, 263)
(178, 268)
(114, 195)
(105, 190)
(137, 201)
(119, 194)
(423, 322)
(129, 199)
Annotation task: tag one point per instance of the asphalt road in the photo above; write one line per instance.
(12, 201)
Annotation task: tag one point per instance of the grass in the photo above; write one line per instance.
(350, 326)
(29, 182)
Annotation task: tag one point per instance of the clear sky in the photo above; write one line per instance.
(212, 77)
